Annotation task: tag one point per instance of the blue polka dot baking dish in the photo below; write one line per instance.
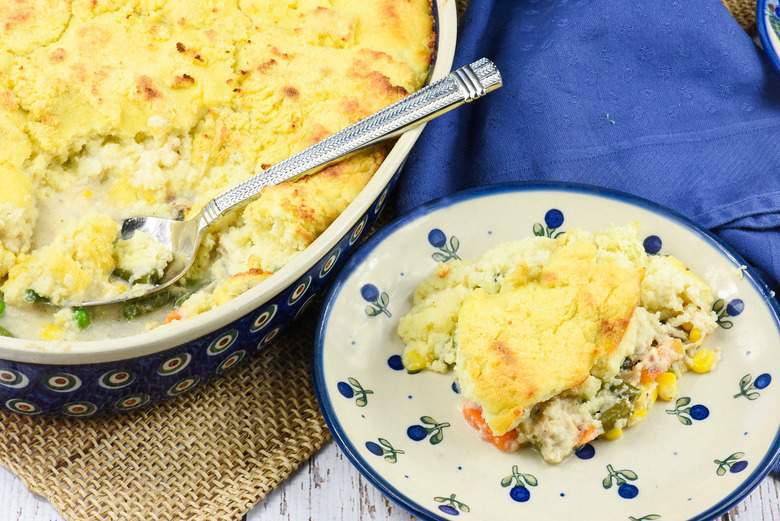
(82, 379)
(693, 457)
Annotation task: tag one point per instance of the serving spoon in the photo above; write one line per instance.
(182, 238)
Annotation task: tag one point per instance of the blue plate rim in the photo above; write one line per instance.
(763, 33)
(772, 456)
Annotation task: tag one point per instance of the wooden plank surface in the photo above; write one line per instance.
(328, 488)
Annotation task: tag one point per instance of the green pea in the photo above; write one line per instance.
(82, 318)
(32, 296)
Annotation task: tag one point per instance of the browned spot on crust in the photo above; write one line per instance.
(252, 271)
(145, 87)
(304, 213)
(291, 92)
(183, 81)
(266, 66)
(506, 354)
(199, 58)
(265, 166)
(276, 52)
(17, 18)
(180, 47)
(80, 72)
(211, 34)
(318, 133)
(57, 55)
(378, 81)
(388, 9)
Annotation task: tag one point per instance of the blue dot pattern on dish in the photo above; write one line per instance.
(437, 238)
(395, 363)
(447, 509)
(416, 432)
(553, 218)
(652, 244)
(455, 388)
(628, 491)
(345, 389)
(369, 292)
(374, 448)
(520, 494)
(699, 412)
(738, 466)
(762, 381)
(587, 451)
(735, 307)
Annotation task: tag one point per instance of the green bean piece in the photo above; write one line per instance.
(136, 308)
(153, 277)
(621, 410)
(5, 332)
(82, 318)
(2, 306)
(122, 274)
(32, 296)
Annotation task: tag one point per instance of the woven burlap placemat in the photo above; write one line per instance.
(208, 456)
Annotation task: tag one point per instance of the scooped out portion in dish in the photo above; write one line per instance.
(556, 342)
(115, 109)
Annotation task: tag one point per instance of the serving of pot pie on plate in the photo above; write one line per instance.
(557, 341)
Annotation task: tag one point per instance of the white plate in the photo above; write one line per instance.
(670, 467)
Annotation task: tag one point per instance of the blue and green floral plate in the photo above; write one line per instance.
(694, 458)
(768, 22)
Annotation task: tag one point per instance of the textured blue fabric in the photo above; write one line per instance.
(670, 100)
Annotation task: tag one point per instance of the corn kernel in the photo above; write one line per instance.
(695, 335)
(51, 332)
(703, 361)
(613, 434)
(639, 412)
(414, 361)
(88, 194)
(667, 386)
(677, 345)
(653, 396)
(687, 326)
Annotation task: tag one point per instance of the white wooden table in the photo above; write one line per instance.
(328, 488)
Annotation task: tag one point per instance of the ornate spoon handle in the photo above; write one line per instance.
(461, 86)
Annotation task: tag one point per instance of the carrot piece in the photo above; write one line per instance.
(586, 435)
(173, 315)
(506, 442)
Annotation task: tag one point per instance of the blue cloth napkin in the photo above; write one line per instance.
(671, 101)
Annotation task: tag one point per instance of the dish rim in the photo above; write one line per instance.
(763, 31)
(66, 352)
(770, 459)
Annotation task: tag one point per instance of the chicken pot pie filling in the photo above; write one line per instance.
(114, 109)
(556, 342)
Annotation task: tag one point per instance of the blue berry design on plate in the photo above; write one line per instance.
(384, 448)
(648, 517)
(430, 428)
(749, 388)
(733, 463)
(455, 387)
(686, 414)
(725, 311)
(519, 483)
(553, 220)
(621, 478)
(652, 244)
(447, 252)
(395, 363)
(450, 505)
(378, 301)
(587, 451)
(352, 389)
